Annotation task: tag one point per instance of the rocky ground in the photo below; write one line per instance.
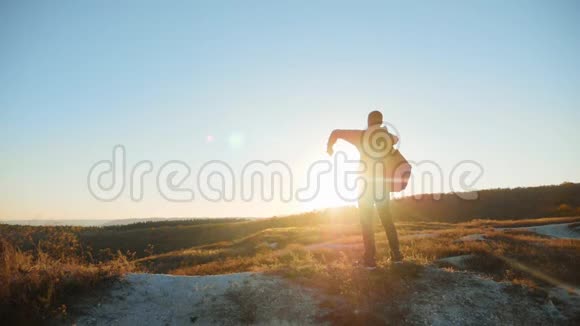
(438, 297)
(230, 299)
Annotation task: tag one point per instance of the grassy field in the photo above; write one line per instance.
(43, 267)
(315, 249)
(36, 284)
(291, 249)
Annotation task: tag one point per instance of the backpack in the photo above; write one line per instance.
(398, 170)
(377, 145)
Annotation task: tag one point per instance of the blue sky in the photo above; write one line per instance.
(490, 81)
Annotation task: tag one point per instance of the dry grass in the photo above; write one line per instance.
(36, 284)
(518, 256)
(253, 250)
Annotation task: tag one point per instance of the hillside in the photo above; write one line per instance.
(506, 204)
(526, 259)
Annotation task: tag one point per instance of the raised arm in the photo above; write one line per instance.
(352, 136)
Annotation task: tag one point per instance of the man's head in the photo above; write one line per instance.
(375, 118)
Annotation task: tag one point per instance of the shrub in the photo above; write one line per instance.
(35, 284)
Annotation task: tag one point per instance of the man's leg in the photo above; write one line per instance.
(386, 216)
(366, 208)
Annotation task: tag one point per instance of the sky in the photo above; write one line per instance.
(493, 82)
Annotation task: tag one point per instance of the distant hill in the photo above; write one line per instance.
(56, 222)
(151, 221)
(500, 204)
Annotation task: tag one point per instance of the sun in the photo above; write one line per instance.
(327, 198)
(327, 195)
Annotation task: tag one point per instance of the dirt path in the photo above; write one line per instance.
(562, 231)
(359, 245)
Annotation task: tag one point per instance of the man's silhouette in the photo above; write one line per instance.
(368, 200)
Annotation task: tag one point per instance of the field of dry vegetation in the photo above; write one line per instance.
(297, 250)
(42, 268)
(36, 283)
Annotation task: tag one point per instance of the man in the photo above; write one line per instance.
(365, 142)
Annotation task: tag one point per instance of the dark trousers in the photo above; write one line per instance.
(367, 204)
